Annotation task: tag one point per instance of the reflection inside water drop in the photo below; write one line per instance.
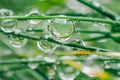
(33, 65)
(17, 41)
(34, 12)
(113, 65)
(50, 58)
(100, 26)
(92, 66)
(8, 25)
(51, 72)
(67, 72)
(46, 46)
(61, 29)
(6, 12)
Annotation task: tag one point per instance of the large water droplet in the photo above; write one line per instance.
(92, 67)
(66, 72)
(46, 46)
(61, 29)
(8, 25)
(17, 41)
(6, 12)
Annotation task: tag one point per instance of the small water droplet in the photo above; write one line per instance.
(9, 73)
(100, 26)
(6, 12)
(118, 18)
(96, 3)
(113, 65)
(46, 46)
(103, 40)
(92, 67)
(34, 12)
(8, 25)
(17, 41)
(33, 65)
(77, 41)
(34, 21)
(50, 58)
(66, 57)
(81, 42)
(61, 29)
(50, 72)
(17, 31)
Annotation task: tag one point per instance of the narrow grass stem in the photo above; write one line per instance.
(26, 61)
(70, 44)
(101, 9)
(88, 19)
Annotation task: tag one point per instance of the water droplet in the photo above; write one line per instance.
(34, 12)
(81, 42)
(113, 65)
(118, 18)
(6, 12)
(66, 72)
(100, 26)
(34, 21)
(33, 65)
(50, 58)
(96, 3)
(51, 72)
(61, 29)
(17, 31)
(17, 41)
(103, 40)
(77, 41)
(66, 57)
(9, 73)
(8, 25)
(46, 46)
(92, 66)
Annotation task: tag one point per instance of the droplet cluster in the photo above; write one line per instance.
(59, 30)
